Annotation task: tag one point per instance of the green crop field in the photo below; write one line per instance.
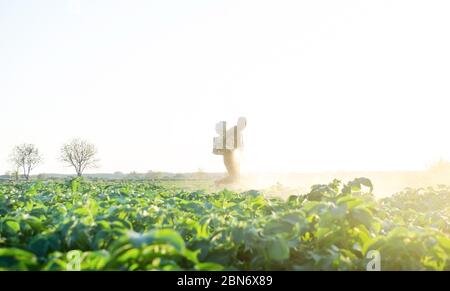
(112, 225)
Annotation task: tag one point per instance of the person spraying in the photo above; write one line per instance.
(230, 145)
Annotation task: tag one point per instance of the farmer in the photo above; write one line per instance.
(230, 144)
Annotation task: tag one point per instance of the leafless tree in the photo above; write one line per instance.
(79, 154)
(26, 157)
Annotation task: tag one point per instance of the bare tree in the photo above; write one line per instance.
(79, 154)
(26, 157)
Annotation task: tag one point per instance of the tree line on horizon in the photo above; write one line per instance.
(81, 155)
(78, 153)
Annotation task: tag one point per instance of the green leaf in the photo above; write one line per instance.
(158, 236)
(339, 212)
(361, 215)
(16, 259)
(34, 223)
(365, 182)
(11, 226)
(444, 242)
(274, 227)
(294, 218)
(39, 246)
(277, 249)
(169, 236)
(350, 201)
(208, 267)
(75, 184)
(323, 232)
(95, 260)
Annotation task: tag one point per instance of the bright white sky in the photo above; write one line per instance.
(325, 85)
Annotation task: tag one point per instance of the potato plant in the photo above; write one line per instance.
(112, 225)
